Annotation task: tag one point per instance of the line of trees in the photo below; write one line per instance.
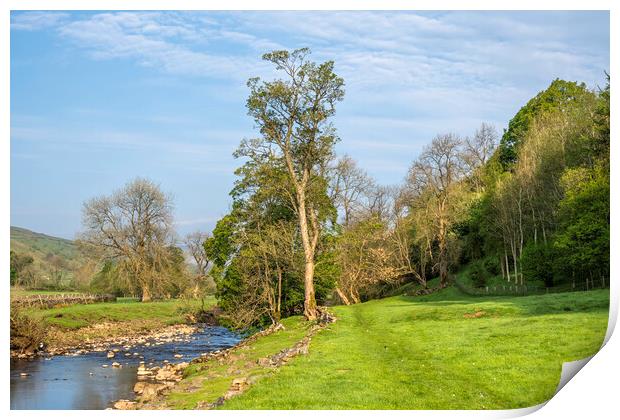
(549, 175)
(307, 227)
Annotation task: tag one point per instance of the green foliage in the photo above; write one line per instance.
(478, 274)
(583, 238)
(559, 95)
(27, 332)
(19, 264)
(13, 270)
(491, 265)
(600, 141)
(107, 280)
(538, 263)
(52, 259)
(545, 200)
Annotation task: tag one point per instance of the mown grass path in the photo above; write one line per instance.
(445, 351)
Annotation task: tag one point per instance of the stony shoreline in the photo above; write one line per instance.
(156, 382)
(178, 332)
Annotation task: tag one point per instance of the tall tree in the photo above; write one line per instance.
(434, 189)
(293, 115)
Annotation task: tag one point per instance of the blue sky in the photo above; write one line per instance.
(98, 98)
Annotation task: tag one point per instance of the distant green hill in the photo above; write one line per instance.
(57, 262)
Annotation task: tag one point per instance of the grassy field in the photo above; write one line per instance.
(71, 325)
(443, 351)
(167, 312)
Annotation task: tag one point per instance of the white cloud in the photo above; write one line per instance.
(34, 21)
(442, 71)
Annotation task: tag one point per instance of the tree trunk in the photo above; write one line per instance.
(507, 266)
(309, 296)
(501, 264)
(443, 251)
(279, 307)
(343, 297)
(146, 293)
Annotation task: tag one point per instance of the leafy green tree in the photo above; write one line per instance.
(538, 263)
(297, 140)
(220, 249)
(109, 281)
(19, 264)
(558, 95)
(583, 237)
(478, 274)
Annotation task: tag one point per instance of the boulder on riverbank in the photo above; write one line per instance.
(125, 405)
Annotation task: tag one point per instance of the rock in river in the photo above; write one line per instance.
(142, 370)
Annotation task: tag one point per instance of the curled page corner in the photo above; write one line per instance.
(569, 370)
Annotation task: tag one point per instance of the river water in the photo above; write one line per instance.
(80, 382)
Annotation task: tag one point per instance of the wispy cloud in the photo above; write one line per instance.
(34, 21)
(394, 49)
(206, 143)
(409, 76)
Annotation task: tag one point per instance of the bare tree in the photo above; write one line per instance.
(133, 227)
(194, 243)
(478, 150)
(350, 186)
(433, 184)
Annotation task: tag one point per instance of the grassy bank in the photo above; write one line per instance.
(444, 351)
(72, 325)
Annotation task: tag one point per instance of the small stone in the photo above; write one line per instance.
(116, 365)
(178, 356)
(125, 405)
(142, 370)
(111, 354)
(104, 366)
(24, 374)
